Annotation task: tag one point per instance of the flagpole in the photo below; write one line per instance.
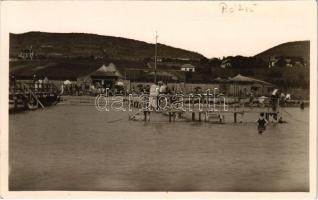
(155, 81)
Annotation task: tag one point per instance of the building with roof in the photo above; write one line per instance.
(105, 76)
(188, 68)
(89, 73)
(240, 85)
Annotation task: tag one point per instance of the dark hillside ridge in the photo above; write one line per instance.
(289, 49)
(79, 45)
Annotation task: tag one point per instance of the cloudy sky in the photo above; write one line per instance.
(214, 29)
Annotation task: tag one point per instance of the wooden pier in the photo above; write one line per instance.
(204, 114)
(30, 96)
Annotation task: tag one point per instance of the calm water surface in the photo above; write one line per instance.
(78, 148)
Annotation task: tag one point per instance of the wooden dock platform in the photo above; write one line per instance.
(30, 96)
(200, 114)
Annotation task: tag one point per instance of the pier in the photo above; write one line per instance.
(31, 96)
(203, 113)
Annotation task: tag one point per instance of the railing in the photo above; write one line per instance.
(35, 88)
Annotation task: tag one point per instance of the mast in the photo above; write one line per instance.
(155, 80)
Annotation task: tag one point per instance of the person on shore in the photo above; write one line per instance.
(274, 99)
(153, 96)
(62, 89)
(45, 80)
(34, 78)
(262, 123)
(162, 88)
(40, 84)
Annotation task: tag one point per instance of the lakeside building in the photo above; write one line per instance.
(233, 86)
(188, 68)
(133, 75)
(106, 76)
(243, 85)
(57, 73)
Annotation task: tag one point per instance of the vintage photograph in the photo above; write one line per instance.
(186, 96)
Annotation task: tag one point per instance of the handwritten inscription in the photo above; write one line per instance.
(232, 8)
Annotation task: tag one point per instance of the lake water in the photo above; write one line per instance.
(75, 148)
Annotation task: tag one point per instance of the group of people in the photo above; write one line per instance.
(37, 83)
(79, 89)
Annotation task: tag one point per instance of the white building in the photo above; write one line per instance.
(188, 68)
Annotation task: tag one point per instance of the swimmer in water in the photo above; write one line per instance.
(262, 122)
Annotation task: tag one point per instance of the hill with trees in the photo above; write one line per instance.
(82, 45)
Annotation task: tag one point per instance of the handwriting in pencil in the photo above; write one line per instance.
(246, 8)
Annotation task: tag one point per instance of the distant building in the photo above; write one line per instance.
(286, 61)
(26, 54)
(226, 63)
(188, 68)
(243, 85)
(106, 75)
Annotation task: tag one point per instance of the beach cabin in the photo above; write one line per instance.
(242, 86)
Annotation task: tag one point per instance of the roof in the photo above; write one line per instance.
(245, 79)
(104, 70)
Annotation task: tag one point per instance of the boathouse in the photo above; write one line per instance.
(240, 85)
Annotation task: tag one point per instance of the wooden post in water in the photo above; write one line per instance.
(145, 116)
(169, 116)
(235, 115)
(199, 116)
(193, 116)
(193, 102)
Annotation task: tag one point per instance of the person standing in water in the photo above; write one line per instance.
(262, 122)
(302, 105)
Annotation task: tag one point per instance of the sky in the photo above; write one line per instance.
(214, 29)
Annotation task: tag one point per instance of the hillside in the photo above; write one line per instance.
(290, 49)
(79, 45)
